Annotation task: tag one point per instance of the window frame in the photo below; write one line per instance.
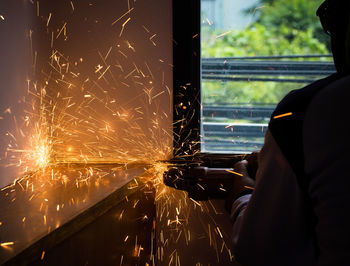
(187, 82)
(187, 78)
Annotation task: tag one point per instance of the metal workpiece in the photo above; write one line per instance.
(41, 210)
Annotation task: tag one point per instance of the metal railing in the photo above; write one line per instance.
(239, 137)
(218, 135)
(267, 69)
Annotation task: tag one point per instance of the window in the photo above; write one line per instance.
(253, 54)
(233, 62)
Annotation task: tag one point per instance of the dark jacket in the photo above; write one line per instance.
(299, 213)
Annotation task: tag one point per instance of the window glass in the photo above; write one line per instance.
(253, 53)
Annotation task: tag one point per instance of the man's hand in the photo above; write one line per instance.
(242, 184)
(253, 163)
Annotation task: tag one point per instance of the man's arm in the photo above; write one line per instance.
(270, 228)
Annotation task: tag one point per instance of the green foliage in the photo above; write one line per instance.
(236, 93)
(282, 28)
(258, 40)
(295, 14)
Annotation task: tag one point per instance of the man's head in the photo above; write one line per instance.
(335, 19)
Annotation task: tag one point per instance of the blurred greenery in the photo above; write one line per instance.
(296, 14)
(281, 28)
(258, 40)
(247, 93)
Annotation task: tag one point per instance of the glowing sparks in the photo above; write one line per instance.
(218, 229)
(233, 172)
(43, 156)
(223, 34)
(72, 5)
(151, 39)
(2, 17)
(209, 22)
(196, 202)
(98, 68)
(63, 29)
(104, 72)
(97, 125)
(123, 26)
(144, 27)
(37, 8)
(5, 244)
(48, 20)
(127, 12)
(283, 115)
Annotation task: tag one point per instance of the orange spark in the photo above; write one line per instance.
(233, 172)
(196, 202)
(5, 244)
(123, 26)
(127, 12)
(48, 20)
(219, 231)
(223, 34)
(282, 115)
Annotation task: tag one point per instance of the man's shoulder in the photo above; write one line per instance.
(330, 106)
(335, 91)
(297, 99)
(286, 125)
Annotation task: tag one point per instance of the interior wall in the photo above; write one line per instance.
(100, 82)
(15, 67)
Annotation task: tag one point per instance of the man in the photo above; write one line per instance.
(299, 211)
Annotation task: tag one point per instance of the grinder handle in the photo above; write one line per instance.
(214, 182)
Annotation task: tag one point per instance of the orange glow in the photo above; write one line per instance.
(283, 115)
(233, 172)
(5, 244)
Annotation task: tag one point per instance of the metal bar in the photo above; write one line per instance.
(316, 72)
(221, 69)
(250, 79)
(267, 63)
(237, 112)
(273, 57)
